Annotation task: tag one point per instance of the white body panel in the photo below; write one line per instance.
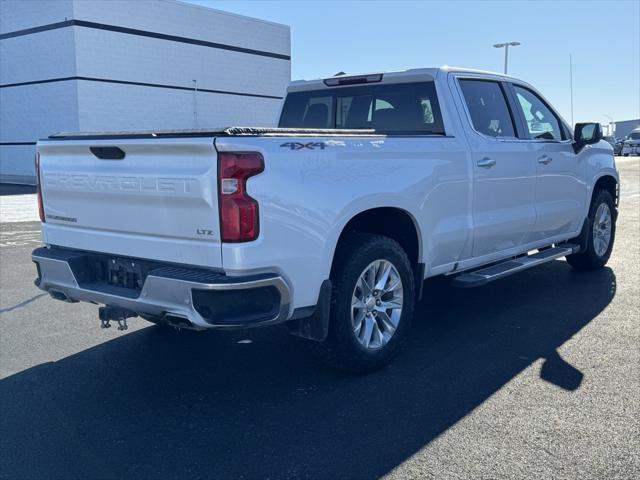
(561, 188)
(307, 197)
(151, 204)
(503, 198)
(465, 215)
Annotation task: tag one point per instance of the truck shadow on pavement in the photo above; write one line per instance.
(165, 404)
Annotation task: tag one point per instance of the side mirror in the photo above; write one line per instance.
(586, 134)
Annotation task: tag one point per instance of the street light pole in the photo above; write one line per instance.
(610, 130)
(571, 86)
(506, 46)
(506, 58)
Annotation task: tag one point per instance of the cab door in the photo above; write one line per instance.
(504, 174)
(561, 190)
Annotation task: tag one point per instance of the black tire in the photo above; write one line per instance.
(589, 259)
(341, 349)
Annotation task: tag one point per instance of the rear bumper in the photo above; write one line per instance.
(205, 299)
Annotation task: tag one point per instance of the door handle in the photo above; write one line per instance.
(486, 162)
(544, 159)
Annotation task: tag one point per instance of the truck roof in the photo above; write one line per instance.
(397, 76)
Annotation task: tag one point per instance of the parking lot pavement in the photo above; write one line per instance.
(534, 376)
(18, 208)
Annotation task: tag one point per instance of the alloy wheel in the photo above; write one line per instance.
(376, 305)
(602, 229)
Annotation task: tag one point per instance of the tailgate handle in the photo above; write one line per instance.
(108, 153)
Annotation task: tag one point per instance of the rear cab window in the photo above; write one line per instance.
(402, 108)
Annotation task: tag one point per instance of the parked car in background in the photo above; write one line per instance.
(617, 147)
(611, 140)
(631, 144)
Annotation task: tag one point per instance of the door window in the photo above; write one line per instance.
(542, 123)
(488, 108)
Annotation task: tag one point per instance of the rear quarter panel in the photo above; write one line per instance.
(307, 196)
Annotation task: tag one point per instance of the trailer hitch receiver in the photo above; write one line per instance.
(120, 315)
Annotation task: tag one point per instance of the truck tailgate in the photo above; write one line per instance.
(158, 202)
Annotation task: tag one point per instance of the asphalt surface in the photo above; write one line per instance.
(534, 376)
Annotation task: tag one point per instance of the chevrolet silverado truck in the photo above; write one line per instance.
(331, 222)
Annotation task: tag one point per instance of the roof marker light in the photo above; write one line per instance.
(355, 80)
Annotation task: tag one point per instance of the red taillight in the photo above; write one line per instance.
(239, 220)
(39, 188)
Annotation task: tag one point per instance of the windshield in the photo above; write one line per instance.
(394, 108)
(634, 136)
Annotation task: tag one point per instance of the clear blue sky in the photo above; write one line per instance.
(603, 38)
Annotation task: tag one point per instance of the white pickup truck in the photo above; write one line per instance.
(330, 222)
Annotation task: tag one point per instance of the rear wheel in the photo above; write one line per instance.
(372, 304)
(602, 231)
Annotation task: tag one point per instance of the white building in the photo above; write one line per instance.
(75, 65)
(625, 127)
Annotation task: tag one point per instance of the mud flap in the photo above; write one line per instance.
(315, 326)
(583, 238)
(418, 274)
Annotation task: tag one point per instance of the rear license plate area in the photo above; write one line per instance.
(124, 273)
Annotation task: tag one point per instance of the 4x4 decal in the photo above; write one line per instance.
(301, 146)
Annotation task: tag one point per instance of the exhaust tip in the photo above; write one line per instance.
(178, 321)
(58, 295)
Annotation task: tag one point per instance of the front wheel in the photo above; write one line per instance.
(602, 231)
(372, 304)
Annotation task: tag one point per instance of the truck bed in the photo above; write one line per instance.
(146, 194)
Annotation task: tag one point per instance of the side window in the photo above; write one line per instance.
(488, 107)
(541, 121)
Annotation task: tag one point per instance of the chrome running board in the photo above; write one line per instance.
(496, 271)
